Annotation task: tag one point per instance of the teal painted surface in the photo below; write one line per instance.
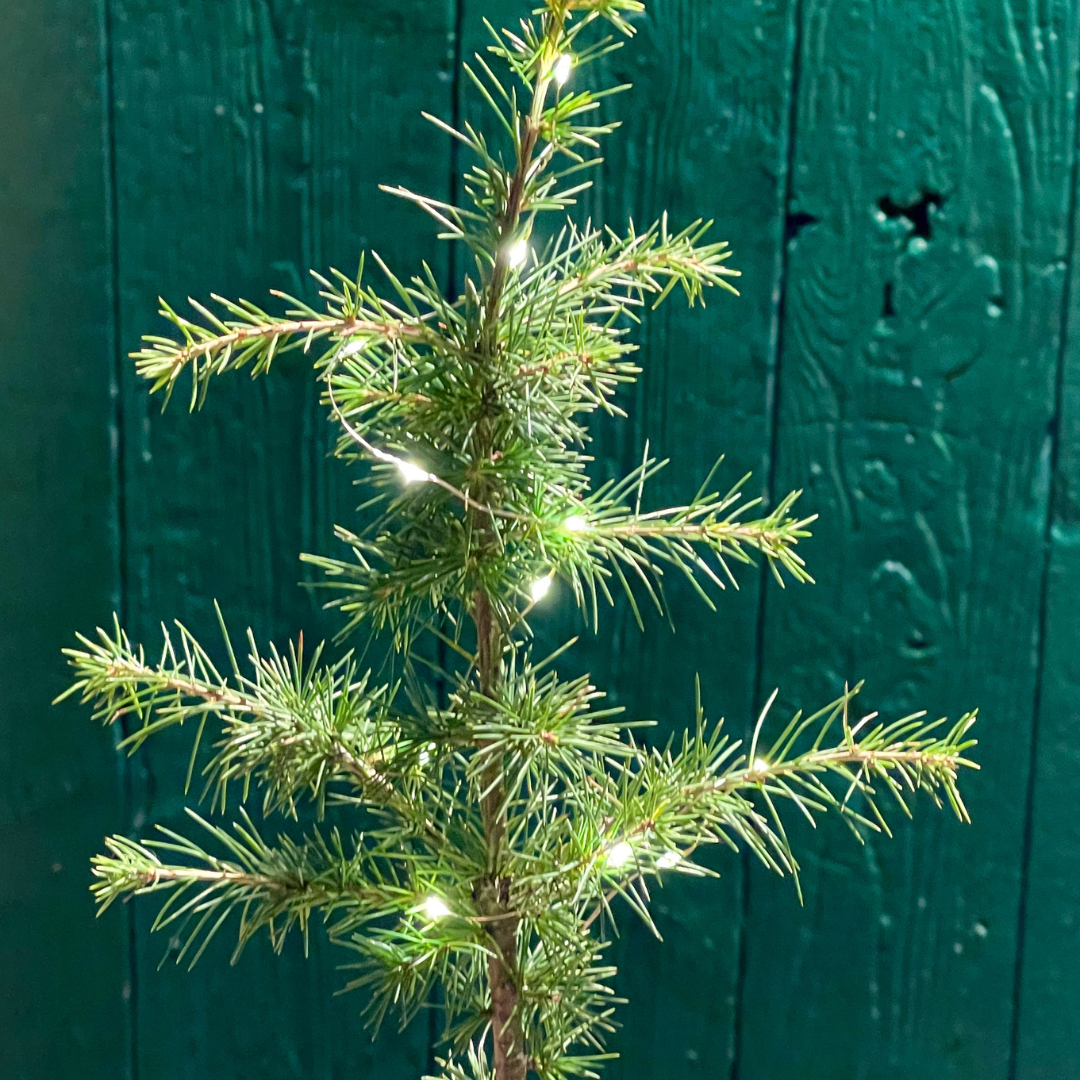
(897, 180)
(919, 356)
(59, 780)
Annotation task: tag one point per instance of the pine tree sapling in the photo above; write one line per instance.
(501, 814)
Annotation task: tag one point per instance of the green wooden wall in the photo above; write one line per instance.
(898, 179)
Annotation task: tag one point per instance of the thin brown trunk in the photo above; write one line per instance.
(493, 892)
(510, 1060)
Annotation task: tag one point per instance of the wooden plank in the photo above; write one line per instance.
(1048, 1040)
(1048, 1043)
(62, 975)
(932, 152)
(703, 135)
(251, 137)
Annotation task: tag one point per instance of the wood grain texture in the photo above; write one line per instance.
(251, 137)
(933, 146)
(1047, 1034)
(62, 976)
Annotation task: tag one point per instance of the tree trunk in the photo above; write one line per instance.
(510, 1062)
(492, 894)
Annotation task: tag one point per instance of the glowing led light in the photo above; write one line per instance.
(425, 756)
(434, 908)
(575, 523)
(620, 855)
(412, 474)
(352, 348)
(562, 69)
(668, 860)
(517, 254)
(760, 765)
(540, 588)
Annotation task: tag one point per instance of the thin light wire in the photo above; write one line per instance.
(382, 455)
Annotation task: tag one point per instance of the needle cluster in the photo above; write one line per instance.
(498, 825)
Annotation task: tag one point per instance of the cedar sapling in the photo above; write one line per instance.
(499, 823)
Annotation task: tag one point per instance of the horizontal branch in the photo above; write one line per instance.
(274, 887)
(163, 361)
(159, 874)
(766, 535)
(229, 701)
(639, 269)
(762, 772)
(292, 726)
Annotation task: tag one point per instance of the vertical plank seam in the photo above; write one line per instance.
(457, 8)
(455, 146)
(772, 412)
(118, 485)
(1044, 591)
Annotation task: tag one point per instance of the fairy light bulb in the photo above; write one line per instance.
(760, 765)
(435, 908)
(620, 855)
(575, 523)
(540, 588)
(563, 66)
(668, 860)
(412, 474)
(517, 254)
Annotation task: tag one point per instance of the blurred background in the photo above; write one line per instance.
(898, 180)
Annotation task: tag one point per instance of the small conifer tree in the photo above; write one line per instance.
(500, 821)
